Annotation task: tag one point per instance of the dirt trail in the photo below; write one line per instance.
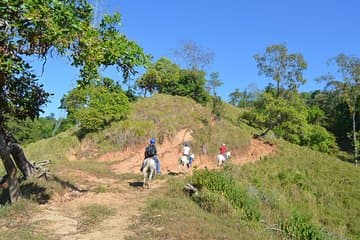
(61, 216)
(170, 151)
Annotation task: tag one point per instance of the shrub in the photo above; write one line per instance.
(299, 227)
(221, 183)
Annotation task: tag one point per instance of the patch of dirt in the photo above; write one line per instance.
(169, 153)
(61, 216)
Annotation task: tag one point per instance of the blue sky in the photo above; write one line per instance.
(234, 30)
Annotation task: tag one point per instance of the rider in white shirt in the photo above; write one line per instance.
(186, 152)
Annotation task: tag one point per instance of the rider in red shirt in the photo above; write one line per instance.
(223, 149)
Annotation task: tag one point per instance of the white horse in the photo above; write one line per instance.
(148, 171)
(221, 158)
(184, 160)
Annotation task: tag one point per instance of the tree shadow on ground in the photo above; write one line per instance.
(34, 191)
(30, 190)
(67, 184)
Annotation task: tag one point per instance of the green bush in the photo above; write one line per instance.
(221, 183)
(299, 227)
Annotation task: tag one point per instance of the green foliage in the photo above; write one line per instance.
(106, 46)
(166, 77)
(242, 99)
(214, 82)
(217, 107)
(347, 87)
(283, 68)
(299, 227)
(221, 183)
(320, 139)
(95, 106)
(214, 203)
(316, 115)
(288, 118)
(28, 130)
(30, 30)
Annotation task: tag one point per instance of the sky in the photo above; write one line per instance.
(234, 30)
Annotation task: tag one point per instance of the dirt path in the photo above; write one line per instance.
(62, 215)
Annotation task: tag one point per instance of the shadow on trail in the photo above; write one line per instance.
(67, 184)
(136, 184)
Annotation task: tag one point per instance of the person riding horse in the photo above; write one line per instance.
(223, 150)
(186, 153)
(151, 152)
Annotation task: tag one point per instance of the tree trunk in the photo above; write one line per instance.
(354, 133)
(21, 162)
(14, 187)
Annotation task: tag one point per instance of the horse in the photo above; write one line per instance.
(184, 160)
(148, 171)
(221, 158)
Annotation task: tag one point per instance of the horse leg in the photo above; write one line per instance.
(150, 176)
(145, 176)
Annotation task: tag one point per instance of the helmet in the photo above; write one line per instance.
(224, 144)
(152, 141)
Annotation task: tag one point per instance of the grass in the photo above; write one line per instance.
(92, 215)
(175, 215)
(299, 194)
(13, 220)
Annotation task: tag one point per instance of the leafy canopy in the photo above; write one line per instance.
(33, 28)
(96, 105)
(285, 69)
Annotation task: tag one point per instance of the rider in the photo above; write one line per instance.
(186, 152)
(150, 151)
(223, 150)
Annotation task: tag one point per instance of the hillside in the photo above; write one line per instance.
(96, 188)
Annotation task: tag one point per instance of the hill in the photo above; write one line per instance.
(96, 192)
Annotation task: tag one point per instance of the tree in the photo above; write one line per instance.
(235, 97)
(217, 107)
(148, 81)
(28, 130)
(191, 84)
(29, 30)
(32, 29)
(162, 76)
(96, 105)
(193, 55)
(349, 88)
(106, 46)
(167, 77)
(282, 67)
(287, 118)
(245, 98)
(214, 81)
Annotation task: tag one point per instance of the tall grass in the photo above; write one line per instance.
(298, 194)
